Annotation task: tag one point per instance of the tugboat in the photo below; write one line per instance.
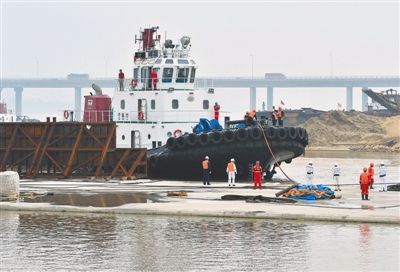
(161, 109)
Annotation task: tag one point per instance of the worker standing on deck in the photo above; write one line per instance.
(252, 117)
(274, 118)
(216, 111)
(154, 79)
(364, 184)
(257, 174)
(382, 177)
(206, 170)
(280, 116)
(121, 79)
(231, 171)
(310, 173)
(336, 175)
(371, 174)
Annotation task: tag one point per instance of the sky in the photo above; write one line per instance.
(41, 39)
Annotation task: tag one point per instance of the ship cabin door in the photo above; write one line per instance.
(146, 78)
(142, 109)
(135, 139)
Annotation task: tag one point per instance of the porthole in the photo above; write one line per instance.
(169, 134)
(123, 137)
(148, 136)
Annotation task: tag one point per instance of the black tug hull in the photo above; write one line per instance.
(181, 157)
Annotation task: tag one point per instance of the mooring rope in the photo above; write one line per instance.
(272, 153)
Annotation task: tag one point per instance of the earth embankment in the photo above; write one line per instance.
(337, 130)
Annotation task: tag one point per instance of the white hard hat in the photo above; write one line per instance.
(382, 163)
(310, 162)
(232, 159)
(335, 163)
(207, 157)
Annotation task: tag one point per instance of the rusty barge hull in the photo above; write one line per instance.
(68, 149)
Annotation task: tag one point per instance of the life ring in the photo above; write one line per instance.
(140, 115)
(177, 133)
(134, 83)
(66, 114)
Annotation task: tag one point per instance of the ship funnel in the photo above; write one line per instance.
(97, 89)
(185, 40)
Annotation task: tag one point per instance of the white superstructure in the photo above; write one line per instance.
(149, 109)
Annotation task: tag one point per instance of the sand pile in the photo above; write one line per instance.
(354, 131)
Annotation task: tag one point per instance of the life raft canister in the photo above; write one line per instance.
(140, 115)
(177, 133)
(66, 114)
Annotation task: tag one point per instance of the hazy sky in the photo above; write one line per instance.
(40, 39)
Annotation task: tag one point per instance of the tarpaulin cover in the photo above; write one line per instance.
(310, 192)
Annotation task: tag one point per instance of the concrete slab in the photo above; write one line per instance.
(384, 207)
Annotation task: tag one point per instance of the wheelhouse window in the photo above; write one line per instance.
(192, 75)
(175, 103)
(136, 73)
(153, 104)
(169, 61)
(206, 104)
(182, 75)
(183, 61)
(122, 104)
(158, 61)
(167, 74)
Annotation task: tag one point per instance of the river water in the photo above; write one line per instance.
(98, 242)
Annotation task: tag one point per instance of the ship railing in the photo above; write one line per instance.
(90, 116)
(146, 84)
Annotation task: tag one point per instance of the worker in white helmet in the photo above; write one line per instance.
(231, 171)
(382, 177)
(206, 170)
(336, 175)
(309, 173)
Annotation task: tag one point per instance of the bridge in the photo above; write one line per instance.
(78, 81)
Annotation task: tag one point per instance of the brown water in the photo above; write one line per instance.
(53, 242)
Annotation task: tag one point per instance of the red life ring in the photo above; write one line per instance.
(140, 115)
(134, 83)
(177, 133)
(66, 114)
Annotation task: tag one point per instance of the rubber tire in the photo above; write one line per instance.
(292, 133)
(180, 142)
(255, 134)
(242, 135)
(271, 133)
(203, 139)
(191, 140)
(300, 134)
(153, 162)
(282, 134)
(171, 143)
(228, 136)
(216, 137)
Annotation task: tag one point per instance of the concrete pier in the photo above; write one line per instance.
(18, 100)
(349, 99)
(78, 103)
(253, 96)
(270, 98)
(206, 201)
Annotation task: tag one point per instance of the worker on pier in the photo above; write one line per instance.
(279, 115)
(257, 174)
(206, 170)
(216, 111)
(154, 79)
(371, 174)
(336, 175)
(382, 177)
(364, 184)
(121, 79)
(231, 171)
(310, 173)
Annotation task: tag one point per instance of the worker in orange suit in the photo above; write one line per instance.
(206, 170)
(231, 171)
(279, 115)
(257, 174)
(371, 173)
(216, 111)
(364, 184)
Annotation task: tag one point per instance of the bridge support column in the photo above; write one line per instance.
(18, 101)
(253, 94)
(364, 101)
(78, 104)
(349, 98)
(0, 93)
(270, 98)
